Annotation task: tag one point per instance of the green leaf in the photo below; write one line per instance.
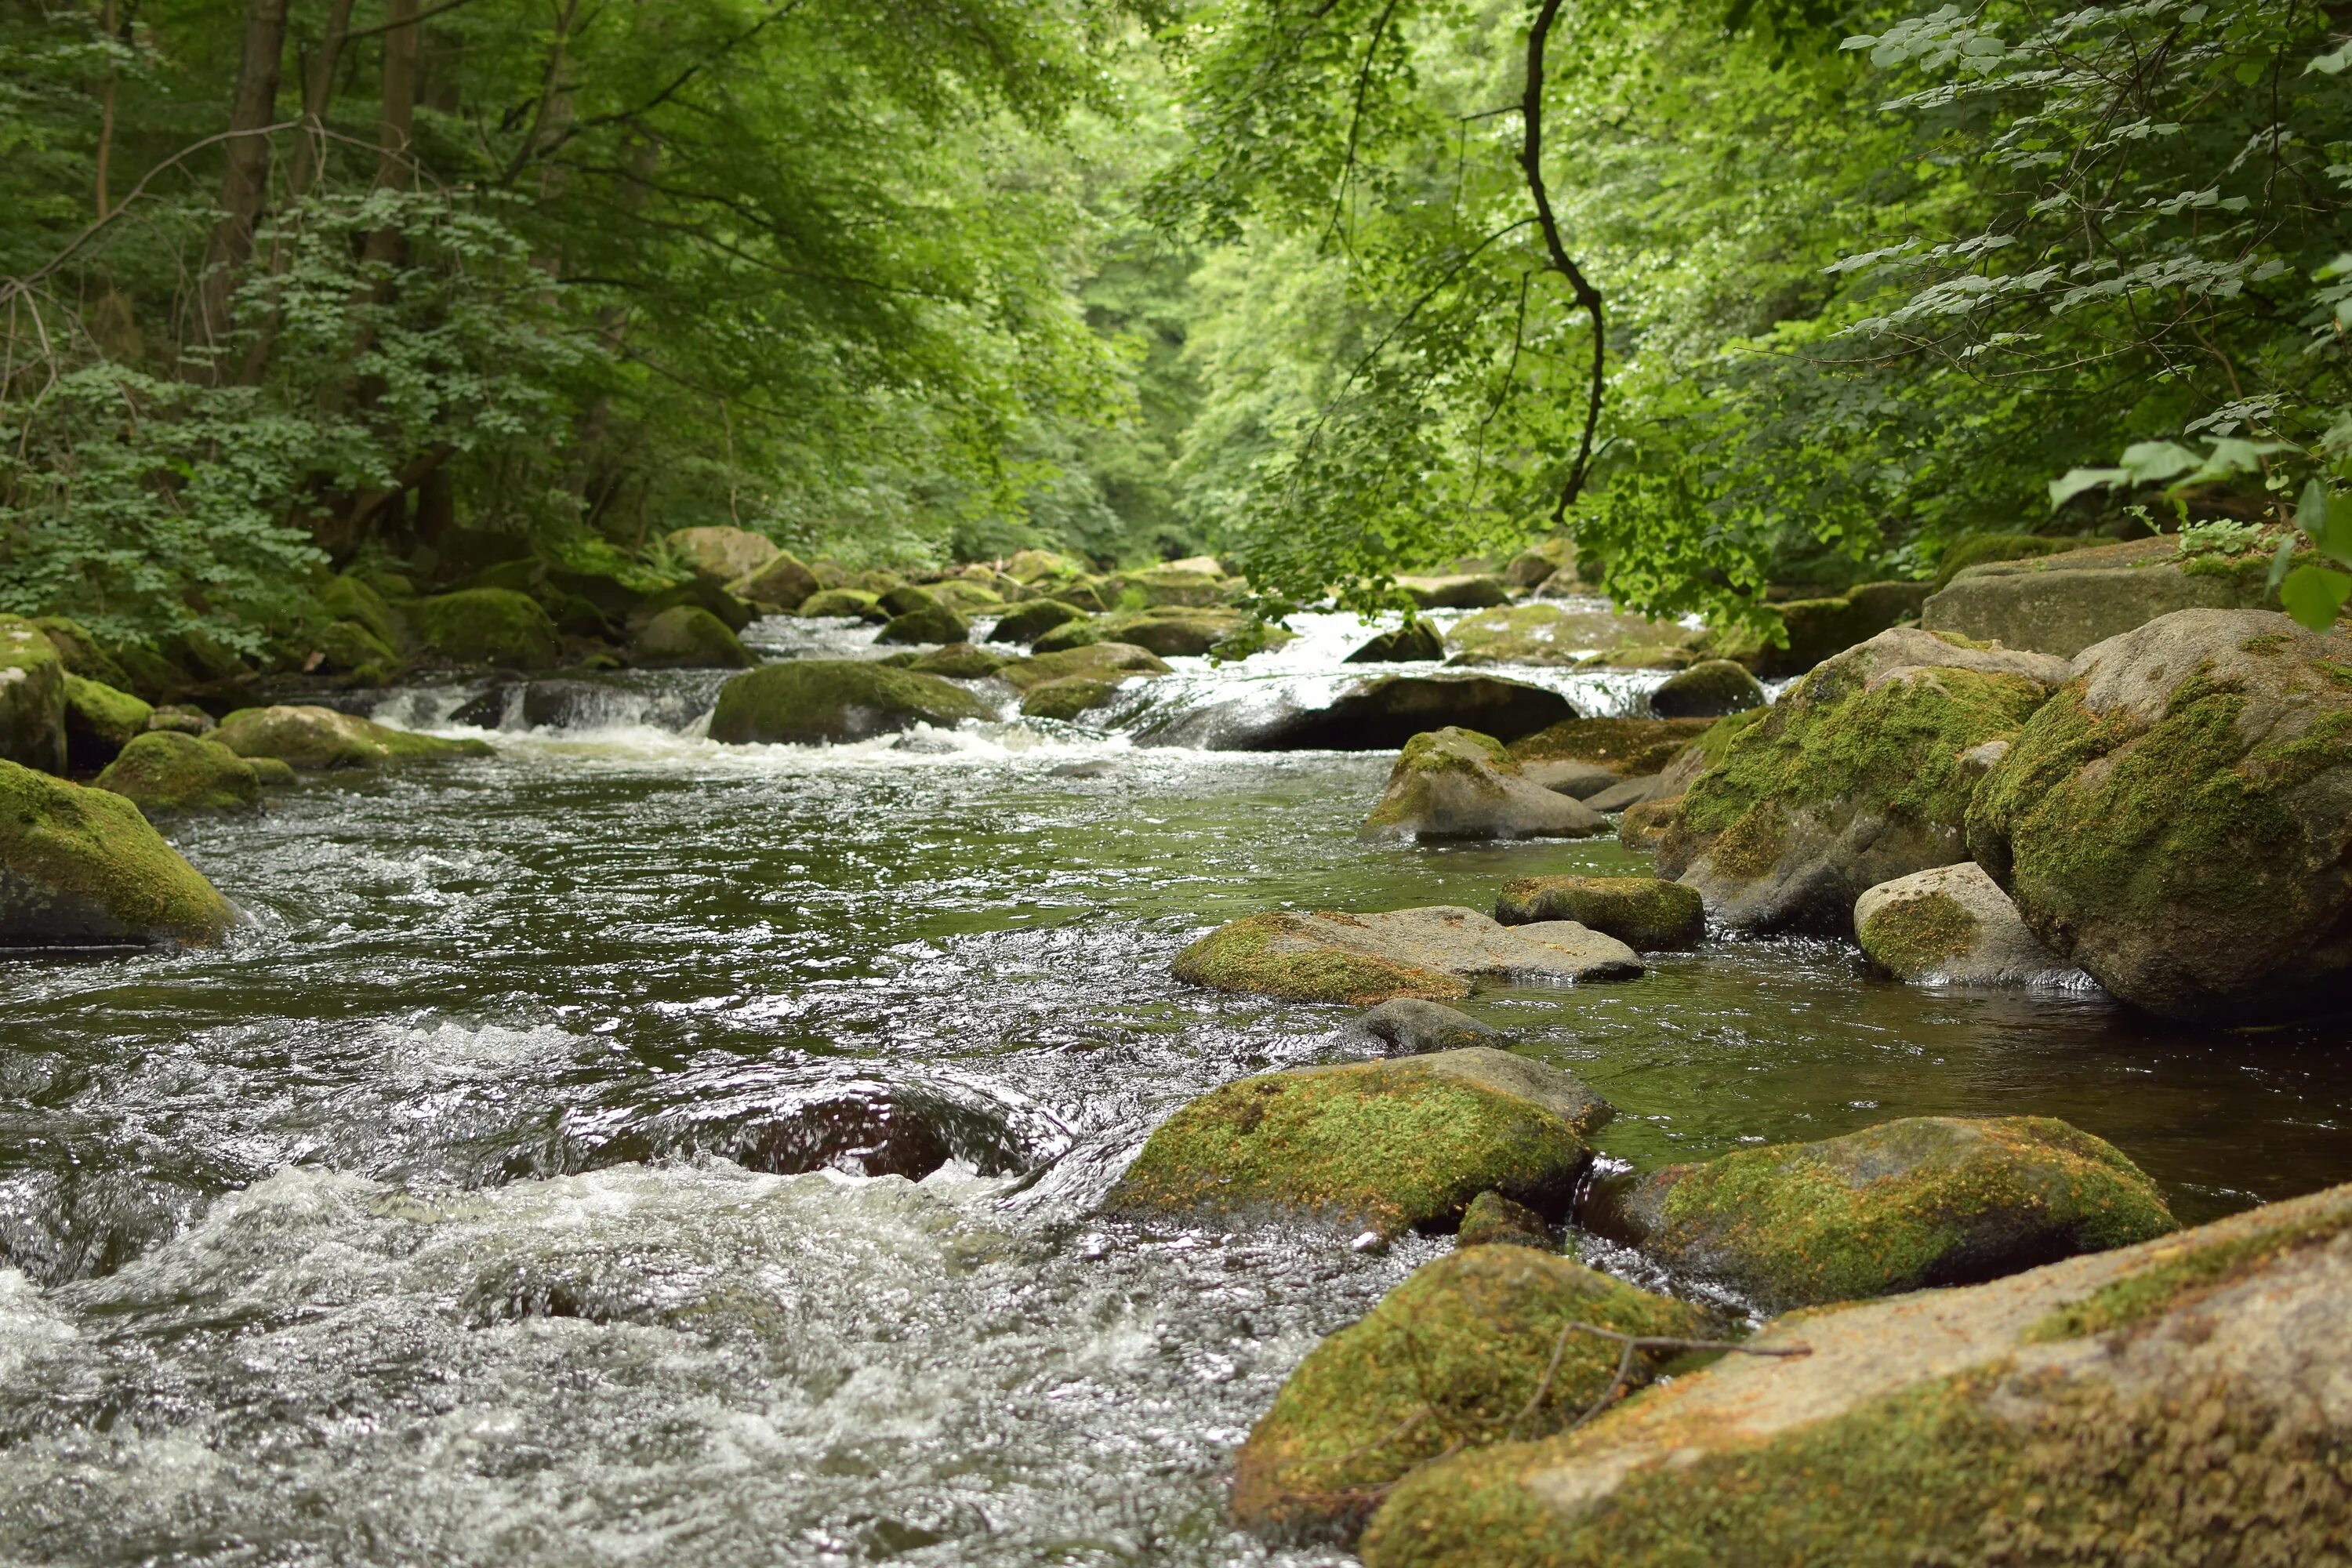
(2313, 595)
(2078, 480)
(2314, 514)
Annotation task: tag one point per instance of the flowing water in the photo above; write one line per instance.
(445, 1216)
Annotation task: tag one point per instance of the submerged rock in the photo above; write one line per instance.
(1855, 778)
(1416, 641)
(32, 698)
(1390, 1145)
(314, 740)
(1708, 690)
(1646, 913)
(81, 868)
(2167, 1403)
(1951, 925)
(2062, 603)
(487, 625)
(1095, 661)
(1476, 1348)
(1025, 623)
(164, 772)
(1382, 713)
(687, 637)
(1928, 1200)
(1458, 783)
(1068, 697)
(99, 721)
(815, 700)
(1412, 1025)
(1429, 952)
(2178, 820)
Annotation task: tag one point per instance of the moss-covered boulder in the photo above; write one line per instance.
(1478, 1347)
(843, 603)
(273, 773)
(82, 654)
(1095, 661)
(1647, 914)
(928, 621)
(1539, 564)
(347, 648)
(687, 637)
(1929, 1200)
(487, 625)
(32, 697)
(352, 598)
(1025, 623)
(812, 701)
(1952, 925)
(80, 868)
(1978, 549)
(958, 661)
(164, 772)
(2161, 1403)
(1820, 629)
(99, 721)
(1708, 690)
(1185, 586)
(1493, 1220)
(724, 554)
(1644, 826)
(317, 739)
(1169, 633)
(1628, 748)
(2178, 820)
(1457, 784)
(1457, 591)
(183, 717)
(2063, 603)
(1858, 776)
(1068, 697)
(1416, 642)
(967, 597)
(1361, 959)
(1387, 1145)
(781, 583)
(1382, 712)
(1043, 565)
(1548, 634)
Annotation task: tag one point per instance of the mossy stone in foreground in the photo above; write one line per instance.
(1928, 1200)
(1458, 783)
(811, 702)
(81, 866)
(32, 697)
(315, 740)
(1390, 1145)
(1645, 913)
(1460, 1355)
(164, 772)
(99, 721)
(487, 625)
(686, 637)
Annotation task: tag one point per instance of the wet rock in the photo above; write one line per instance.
(1576, 780)
(1171, 634)
(1646, 913)
(1928, 1200)
(273, 773)
(958, 661)
(1461, 592)
(182, 717)
(724, 554)
(1412, 1027)
(1432, 953)
(2162, 1401)
(1458, 783)
(1025, 623)
(1980, 548)
(32, 697)
(924, 620)
(1389, 1146)
(1853, 778)
(99, 721)
(2063, 603)
(1493, 1220)
(1628, 793)
(687, 637)
(1551, 634)
(1095, 661)
(815, 701)
(82, 654)
(2178, 820)
(348, 647)
(1708, 690)
(1475, 1348)
(1535, 567)
(1819, 629)
(1068, 697)
(1415, 641)
(1951, 925)
(163, 773)
(782, 586)
(487, 625)
(1645, 827)
(840, 604)
(1628, 748)
(314, 740)
(81, 868)
(1382, 713)
(1097, 768)
(1185, 586)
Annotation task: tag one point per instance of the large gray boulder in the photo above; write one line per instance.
(2061, 604)
(1952, 925)
(1859, 774)
(2178, 820)
(1458, 783)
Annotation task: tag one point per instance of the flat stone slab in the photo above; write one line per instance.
(1366, 958)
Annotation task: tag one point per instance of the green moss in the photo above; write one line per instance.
(958, 661)
(32, 697)
(315, 740)
(930, 622)
(1251, 954)
(1434, 753)
(84, 866)
(349, 599)
(1028, 622)
(1980, 548)
(1474, 1349)
(1072, 635)
(686, 637)
(1631, 747)
(1643, 826)
(815, 701)
(82, 652)
(349, 647)
(1912, 936)
(1923, 1201)
(1754, 843)
(1385, 1144)
(1493, 1220)
(1099, 661)
(838, 603)
(1068, 697)
(487, 625)
(99, 721)
(164, 772)
(1644, 912)
(2175, 1276)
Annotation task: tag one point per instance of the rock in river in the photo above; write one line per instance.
(812, 700)
(922, 620)
(1412, 1027)
(1428, 953)
(32, 698)
(1110, 661)
(313, 740)
(1951, 925)
(1458, 783)
(1858, 776)
(1390, 1145)
(164, 772)
(1708, 690)
(1382, 713)
(80, 868)
(487, 625)
(2178, 820)
(1474, 1346)
(1027, 623)
(1646, 913)
(99, 721)
(2179, 1402)
(724, 554)
(686, 637)
(1416, 641)
(1929, 1200)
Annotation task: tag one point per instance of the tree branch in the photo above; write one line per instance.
(1588, 297)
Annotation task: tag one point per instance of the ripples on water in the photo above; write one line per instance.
(334, 1244)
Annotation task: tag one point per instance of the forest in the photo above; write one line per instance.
(1736, 294)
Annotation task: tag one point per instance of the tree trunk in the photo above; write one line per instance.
(244, 182)
(318, 94)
